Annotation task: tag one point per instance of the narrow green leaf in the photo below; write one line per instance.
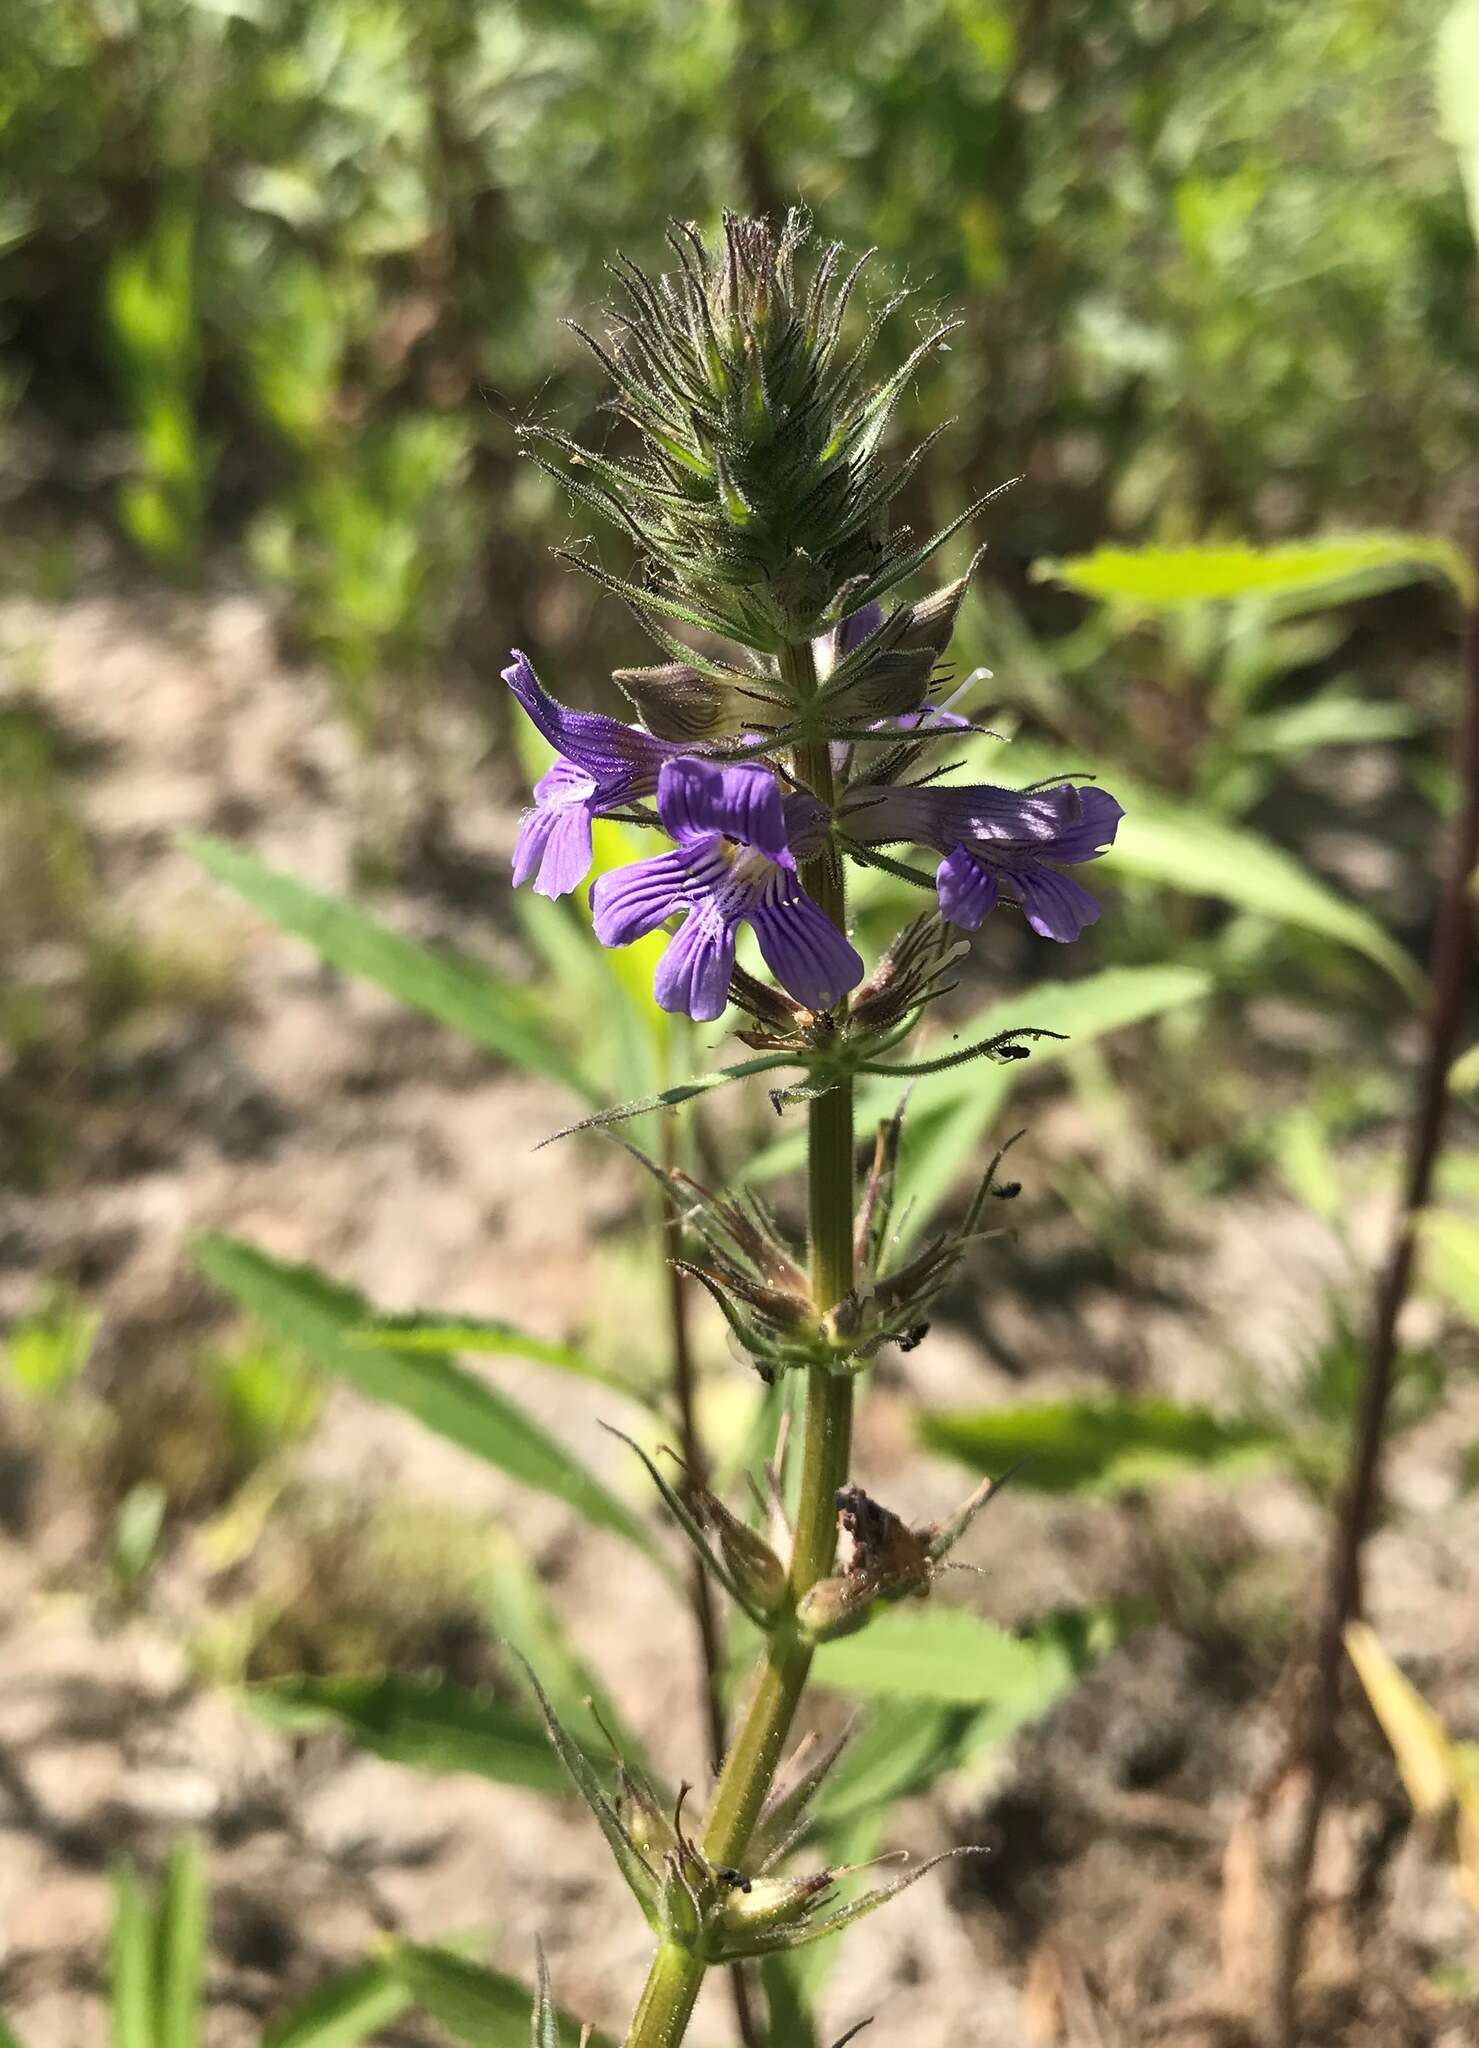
(427, 1723)
(1457, 70)
(1200, 856)
(343, 2012)
(905, 1744)
(502, 1019)
(949, 1113)
(1099, 1444)
(183, 1923)
(479, 2006)
(8, 2038)
(133, 1960)
(1324, 571)
(311, 1310)
(425, 1330)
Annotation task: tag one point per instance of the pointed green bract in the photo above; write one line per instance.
(629, 1858)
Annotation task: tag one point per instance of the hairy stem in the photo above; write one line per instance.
(1451, 965)
(750, 1767)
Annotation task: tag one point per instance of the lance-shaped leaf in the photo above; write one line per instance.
(633, 1865)
(501, 1018)
(1102, 1445)
(427, 1723)
(476, 2005)
(427, 1330)
(1321, 571)
(325, 1319)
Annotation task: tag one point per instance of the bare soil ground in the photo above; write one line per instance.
(1136, 1833)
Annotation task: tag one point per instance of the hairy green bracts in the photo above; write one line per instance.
(759, 498)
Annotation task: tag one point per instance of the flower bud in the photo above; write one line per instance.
(753, 1565)
(759, 1905)
(835, 1607)
(675, 702)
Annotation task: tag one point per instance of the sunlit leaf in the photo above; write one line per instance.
(425, 1722)
(947, 1655)
(493, 1013)
(302, 1304)
(1331, 569)
(1100, 1444)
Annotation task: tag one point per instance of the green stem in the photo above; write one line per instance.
(755, 1754)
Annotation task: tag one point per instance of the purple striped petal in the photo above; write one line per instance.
(621, 758)
(693, 974)
(1053, 904)
(632, 901)
(696, 798)
(553, 846)
(802, 947)
(967, 889)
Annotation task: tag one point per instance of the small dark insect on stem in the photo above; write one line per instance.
(1452, 956)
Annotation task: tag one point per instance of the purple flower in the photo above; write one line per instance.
(997, 842)
(733, 864)
(603, 764)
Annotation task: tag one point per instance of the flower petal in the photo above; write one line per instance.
(1089, 831)
(802, 947)
(968, 890)
(696, 797)
(1054, 904)
(693, 974)
(623, 759)
(554, 846)
(632, 901)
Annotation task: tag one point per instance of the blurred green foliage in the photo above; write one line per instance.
(1210, 255)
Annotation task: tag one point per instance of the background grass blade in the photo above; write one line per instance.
(313, 1311)
(133, 1962)
(427, 1723)
(345, 2011)
(183, 1925)
(1099, 1444)
(458, 992)
(478, 2006)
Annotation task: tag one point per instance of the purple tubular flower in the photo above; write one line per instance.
(997, 842)
(733, 864)
(603, 764)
